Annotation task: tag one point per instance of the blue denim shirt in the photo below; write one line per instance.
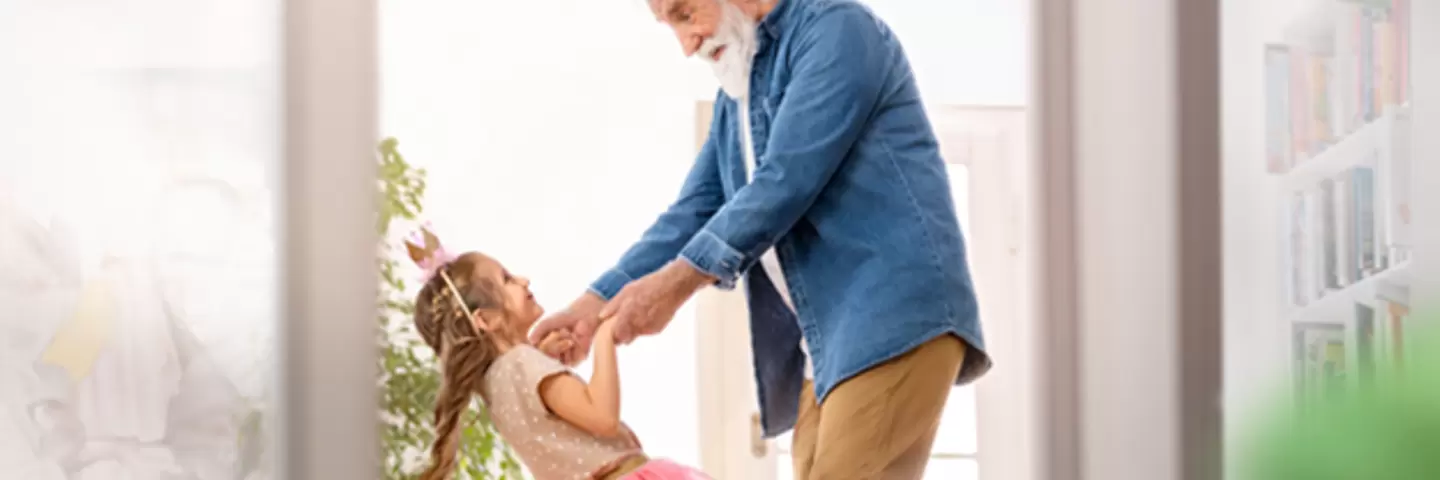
(850, 190)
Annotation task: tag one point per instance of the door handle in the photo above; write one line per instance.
(758, 446)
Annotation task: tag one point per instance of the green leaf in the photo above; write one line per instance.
(1386, 430)
(410, 383)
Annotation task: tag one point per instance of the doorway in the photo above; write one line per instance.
(984, 147)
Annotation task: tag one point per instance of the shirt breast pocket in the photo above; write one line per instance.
(772, 103)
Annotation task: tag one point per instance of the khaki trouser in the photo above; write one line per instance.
(880, 424)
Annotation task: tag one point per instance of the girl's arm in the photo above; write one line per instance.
(594, 408)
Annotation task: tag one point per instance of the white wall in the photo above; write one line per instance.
(554, 132)
(964, 52)
(1255, 354)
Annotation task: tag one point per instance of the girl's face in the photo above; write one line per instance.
(521, 310)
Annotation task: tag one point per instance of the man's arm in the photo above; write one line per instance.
(842, 60)
(700, 197)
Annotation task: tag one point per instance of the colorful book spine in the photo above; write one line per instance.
(1299, 105)
(1367, 66)
(1277, 97)
(1385, 66)
(1400, 13)
(1322, 133)
(1362, 181)
(1328, 232)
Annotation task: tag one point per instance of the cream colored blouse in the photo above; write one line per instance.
(551, 448)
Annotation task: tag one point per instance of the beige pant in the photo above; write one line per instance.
(880, 424)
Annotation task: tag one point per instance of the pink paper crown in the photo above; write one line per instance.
(427, 252)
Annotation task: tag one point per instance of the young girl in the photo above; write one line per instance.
(476, 315)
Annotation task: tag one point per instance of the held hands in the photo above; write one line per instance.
(576, 323)
(646, 306)
(557, 343)
(562, 345)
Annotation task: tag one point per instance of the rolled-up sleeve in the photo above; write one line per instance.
(841, 61)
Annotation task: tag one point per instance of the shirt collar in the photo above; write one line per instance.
(775, 21)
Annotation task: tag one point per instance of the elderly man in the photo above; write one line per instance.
(822, 169)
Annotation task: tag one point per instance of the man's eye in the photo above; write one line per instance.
(681, 15)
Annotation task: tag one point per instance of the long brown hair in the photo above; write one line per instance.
(465, 352)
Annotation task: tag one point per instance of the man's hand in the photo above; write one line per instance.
(579, 320)
(646, 306)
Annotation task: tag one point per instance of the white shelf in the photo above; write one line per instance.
(1337, 307)
(1350, 151)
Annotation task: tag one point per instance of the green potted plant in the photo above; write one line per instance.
(1386, 430)
(408, 377)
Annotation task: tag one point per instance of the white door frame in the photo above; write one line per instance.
(999, 252)
(1127, 216)
(731, 447)
(730, 441)
(1425, 117)
(328, 417)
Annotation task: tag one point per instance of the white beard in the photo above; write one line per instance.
(736, 33)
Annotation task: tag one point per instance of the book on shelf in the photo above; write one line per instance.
(1365, 343)
(1392, 307)
(1319, 251)
(1319, 362)
(1277, 108)
(1303, 127)
(1329, 235)
(1346, 268)
(1366, 260)
(1400, 319)
(1400, 15)
(1397, 179)
(1335, 235)
(1315, 96)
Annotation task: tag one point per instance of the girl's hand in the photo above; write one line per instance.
(579, 319)
(606, 331)
(556, 343)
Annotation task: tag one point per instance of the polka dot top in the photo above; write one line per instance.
(550, 447)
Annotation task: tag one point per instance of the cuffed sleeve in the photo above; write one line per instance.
(610, 283)
(708, 253)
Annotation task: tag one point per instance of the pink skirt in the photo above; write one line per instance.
(662, 469)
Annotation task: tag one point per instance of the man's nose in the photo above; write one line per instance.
(689, 41)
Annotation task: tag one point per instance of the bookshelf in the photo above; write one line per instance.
(1338, 127)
